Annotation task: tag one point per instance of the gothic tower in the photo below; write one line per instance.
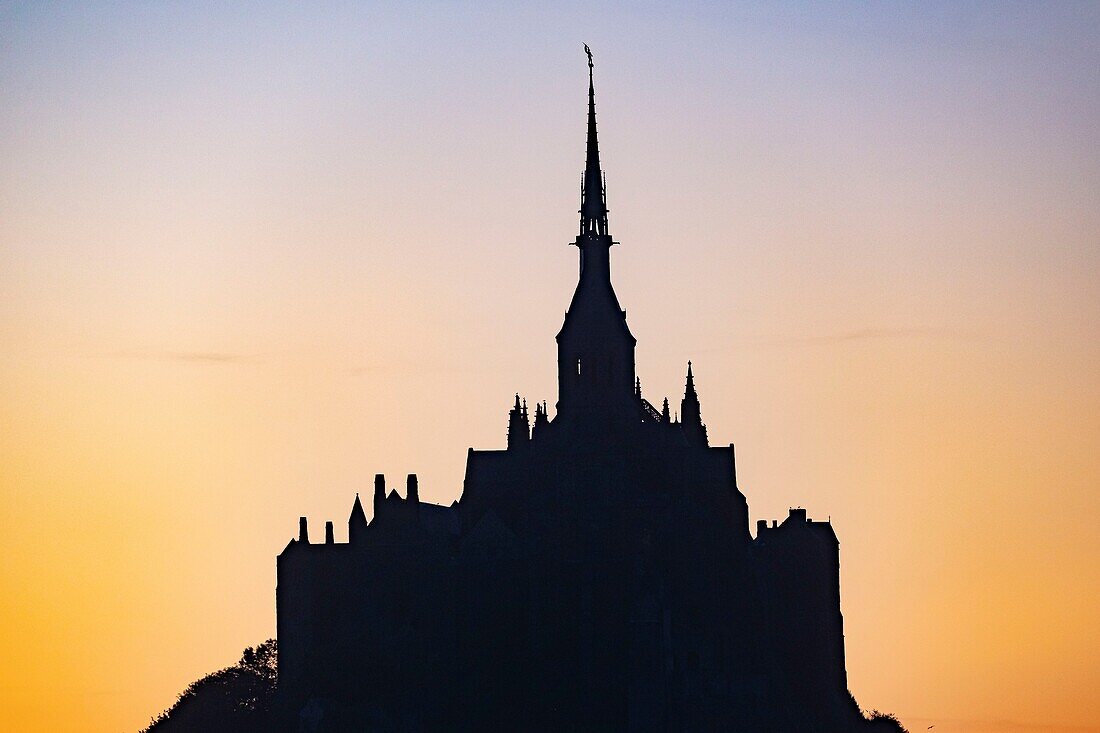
(595, 346)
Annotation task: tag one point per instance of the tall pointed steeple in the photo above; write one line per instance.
(593, 193)
(595, 346)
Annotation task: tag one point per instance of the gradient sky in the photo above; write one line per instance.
(252, 255)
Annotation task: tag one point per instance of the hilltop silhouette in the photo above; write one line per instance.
(236, 699)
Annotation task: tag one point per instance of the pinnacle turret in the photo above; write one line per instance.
(542, 421)
(357, 522)
(694, 429)
(519, 426)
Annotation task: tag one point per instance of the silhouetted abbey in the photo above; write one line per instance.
(597, 574)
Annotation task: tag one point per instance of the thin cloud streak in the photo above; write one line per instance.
(872, 334)
(188, 357)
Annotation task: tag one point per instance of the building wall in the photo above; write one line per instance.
(611, 586)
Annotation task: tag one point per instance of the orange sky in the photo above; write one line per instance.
(248, 260)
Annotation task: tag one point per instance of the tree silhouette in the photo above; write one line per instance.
(236, 699)
(878, 722)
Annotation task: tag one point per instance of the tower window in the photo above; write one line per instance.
(578, 367)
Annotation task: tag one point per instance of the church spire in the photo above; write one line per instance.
(595, 346)
(593, 194)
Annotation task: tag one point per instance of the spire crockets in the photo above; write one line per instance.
(593, 194)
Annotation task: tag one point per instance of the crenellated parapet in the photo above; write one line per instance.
(394, 516)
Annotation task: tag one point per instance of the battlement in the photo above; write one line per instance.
(796, 517)
(397, 519)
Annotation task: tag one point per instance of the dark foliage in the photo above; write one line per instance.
(236, 699)
(883, 723)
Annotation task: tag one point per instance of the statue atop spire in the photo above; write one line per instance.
(593, 193)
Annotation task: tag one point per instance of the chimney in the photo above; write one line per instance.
(303, 530)
(412, 494)
(379, 494)
(798, 514)
(761, 525)
(330, 538)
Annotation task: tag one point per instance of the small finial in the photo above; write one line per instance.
(588, 51)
